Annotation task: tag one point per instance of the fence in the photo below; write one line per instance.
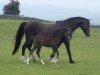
(18, 17)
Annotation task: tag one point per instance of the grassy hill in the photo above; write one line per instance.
(85, 51)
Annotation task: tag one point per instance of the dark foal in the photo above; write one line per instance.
(48, 40)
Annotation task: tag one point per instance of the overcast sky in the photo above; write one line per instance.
(76, 4)
(58, 9)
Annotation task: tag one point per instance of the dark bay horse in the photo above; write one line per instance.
(48, 40)
(34, 28)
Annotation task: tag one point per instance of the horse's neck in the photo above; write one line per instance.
(73, 28)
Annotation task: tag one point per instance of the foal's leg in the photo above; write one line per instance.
(57, 55)
(54, 58)
(33, 55)
(38, 54)
(31, 52)
(29, 42)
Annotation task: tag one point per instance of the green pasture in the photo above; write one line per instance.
(85, 52)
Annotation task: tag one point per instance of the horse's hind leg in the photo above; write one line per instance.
(57, 55)
(38, 54)
(26, 45)
(23, 58)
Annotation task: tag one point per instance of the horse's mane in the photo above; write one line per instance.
(75, 18)
(71, 21)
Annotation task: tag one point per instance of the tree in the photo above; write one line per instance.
(12, 8)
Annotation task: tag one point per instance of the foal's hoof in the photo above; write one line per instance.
(23, 59)
(34, 60)
(72, 62)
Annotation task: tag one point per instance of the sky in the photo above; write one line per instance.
(58, 9)
(76, 4)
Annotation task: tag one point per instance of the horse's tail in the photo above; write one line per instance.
(18, 37)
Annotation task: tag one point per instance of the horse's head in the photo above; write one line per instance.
(86, 27)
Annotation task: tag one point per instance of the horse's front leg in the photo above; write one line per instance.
(67, 44)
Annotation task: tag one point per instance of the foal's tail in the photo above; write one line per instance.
(18, 37)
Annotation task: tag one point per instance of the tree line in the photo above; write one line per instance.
(12, 8)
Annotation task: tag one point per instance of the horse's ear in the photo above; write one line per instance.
(58, 21)
(89, 19)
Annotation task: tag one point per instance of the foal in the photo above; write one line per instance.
(48, 40)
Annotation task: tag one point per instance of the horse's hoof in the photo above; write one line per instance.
(34, 60)
(23, 59)
(43, 63)
(27, 62)
(72, 62)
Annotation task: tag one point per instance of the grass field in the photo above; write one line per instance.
(85, 51)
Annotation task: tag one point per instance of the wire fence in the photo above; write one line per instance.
(19, 17)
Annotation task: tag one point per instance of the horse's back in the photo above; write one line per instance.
(32, 28)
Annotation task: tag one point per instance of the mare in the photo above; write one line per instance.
(34, 28)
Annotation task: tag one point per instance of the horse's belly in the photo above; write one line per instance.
(47, 44)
